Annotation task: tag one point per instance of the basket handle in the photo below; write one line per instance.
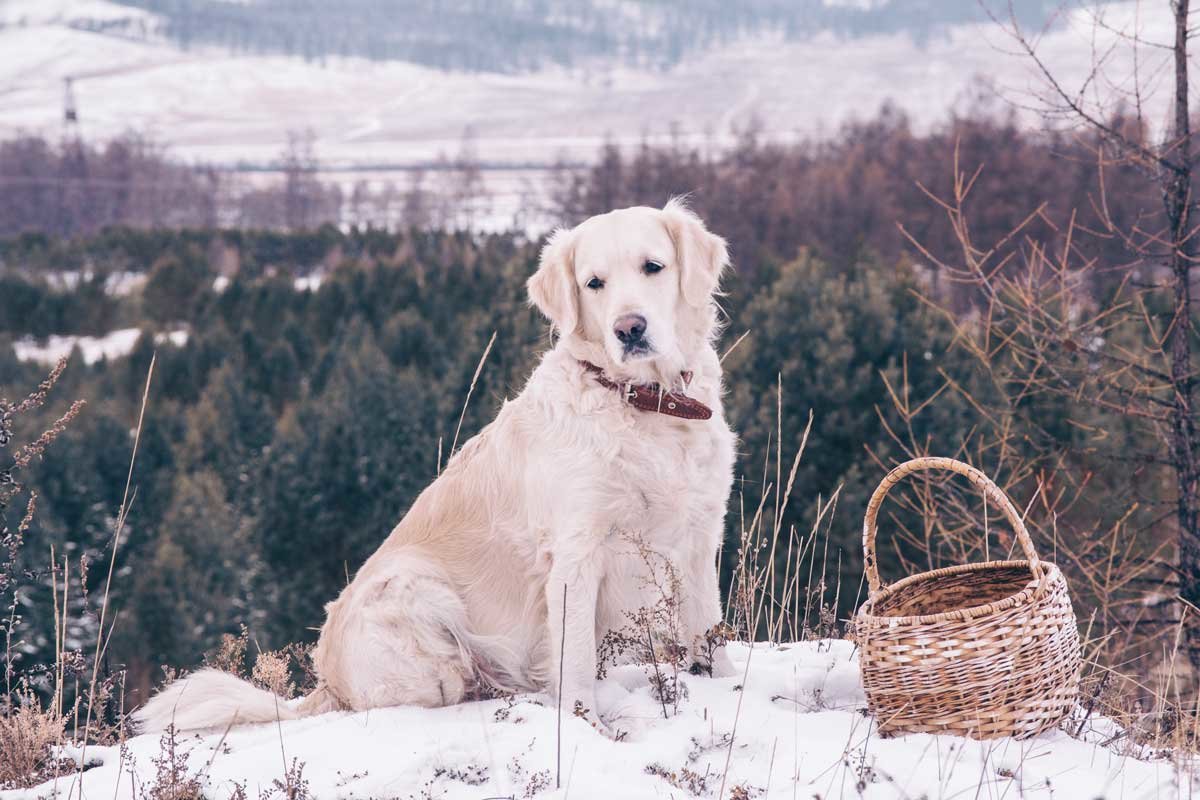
(990, 490)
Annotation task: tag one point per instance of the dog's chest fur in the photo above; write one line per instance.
(641, 473)
(670, 487)
(650, 482)
(665, 475)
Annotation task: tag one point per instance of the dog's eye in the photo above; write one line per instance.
(595, 283)
(651, 267)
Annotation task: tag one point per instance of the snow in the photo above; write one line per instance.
(861, 5)
(207, 104)
(111, 345)
(790, 724)
(116, 284)
(301, 283)
(177, 338)
(308, 283)
(124, 283)
(41, 12)
(92, 348)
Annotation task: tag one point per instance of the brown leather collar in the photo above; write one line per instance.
(652, 397)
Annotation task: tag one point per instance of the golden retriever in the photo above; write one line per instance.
(541, 507)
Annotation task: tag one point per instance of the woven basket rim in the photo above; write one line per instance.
(1033, 589)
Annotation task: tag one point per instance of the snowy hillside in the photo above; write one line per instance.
(791, 725)
(116, 344)
(208, 104)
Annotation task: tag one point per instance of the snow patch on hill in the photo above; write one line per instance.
(43, 12)
(112, 345)
(790, 724)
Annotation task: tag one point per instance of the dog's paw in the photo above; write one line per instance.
(609, 730)
(711, 656)
(589, 716)
(616, 734)
(720, 665)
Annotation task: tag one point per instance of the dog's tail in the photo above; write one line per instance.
(213, 700)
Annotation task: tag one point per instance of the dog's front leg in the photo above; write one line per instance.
(701, 617)
(571, 593)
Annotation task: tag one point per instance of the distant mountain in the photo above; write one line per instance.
(519, 35)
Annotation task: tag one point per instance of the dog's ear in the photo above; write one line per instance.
(702, 256)
(552, 288)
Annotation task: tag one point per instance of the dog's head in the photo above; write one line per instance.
(634, 287)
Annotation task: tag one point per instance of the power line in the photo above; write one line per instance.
(59, 180)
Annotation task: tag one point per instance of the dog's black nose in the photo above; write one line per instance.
(630, 329)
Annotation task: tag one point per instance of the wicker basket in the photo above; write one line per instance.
(979, 650)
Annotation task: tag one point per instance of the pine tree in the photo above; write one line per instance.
(834, 342)
(346, 464)
(193, 586)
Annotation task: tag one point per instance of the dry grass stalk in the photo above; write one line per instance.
(272, 671)
(95, 687)
(230, 655)
(27, 731)
(27, 735)
(651, 635)
(467, 400)
(172, 781)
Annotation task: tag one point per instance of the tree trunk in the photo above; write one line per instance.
(1177, 198)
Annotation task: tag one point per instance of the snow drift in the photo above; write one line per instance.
(791, 724)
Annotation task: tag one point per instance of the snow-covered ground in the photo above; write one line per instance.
(92, 348)
(791, 724)
(210, 105)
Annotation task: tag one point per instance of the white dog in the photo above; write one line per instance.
(618, 437)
